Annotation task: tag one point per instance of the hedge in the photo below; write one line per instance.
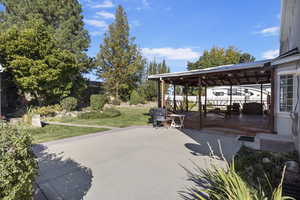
(98, 101)
(18, 166)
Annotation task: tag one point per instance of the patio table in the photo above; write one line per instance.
(173, 118)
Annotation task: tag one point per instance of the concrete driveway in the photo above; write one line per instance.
(129, 164)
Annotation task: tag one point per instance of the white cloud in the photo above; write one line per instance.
(171, 53)
(146, 3)
(104, 4)
(96, 23)
(270, 54)
(271, 31)
(106, 15)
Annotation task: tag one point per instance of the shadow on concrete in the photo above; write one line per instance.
(212, 143)
(60, 178)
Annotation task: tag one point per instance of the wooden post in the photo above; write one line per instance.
(261, 99)
(205, 102)
(163, 93)
(174, 97)
(200, 103)
(272, 107)
(158, 94)
(230, 106)
(187, 99)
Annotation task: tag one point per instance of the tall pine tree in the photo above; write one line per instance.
(150, 87)
(119, 60)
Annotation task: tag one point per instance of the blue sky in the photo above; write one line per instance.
(179, 31)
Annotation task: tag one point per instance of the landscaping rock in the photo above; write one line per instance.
(36, 121)
(14, 121)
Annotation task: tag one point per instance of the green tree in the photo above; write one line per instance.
(219, 56)
(37, 66)
(64, 20)
(120, 62)
(149, 87)
(62, 16)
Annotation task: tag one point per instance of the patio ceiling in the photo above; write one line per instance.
(258, 72)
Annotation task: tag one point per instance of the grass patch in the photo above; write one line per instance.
(130, 116)
(55, 132)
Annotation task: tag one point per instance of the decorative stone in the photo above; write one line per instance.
(266, 160)
(15, 121)
(36, 121)
(292, 166)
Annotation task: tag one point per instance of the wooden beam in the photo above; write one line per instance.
(186, 98)
(272, 109)
(200, 103)
(158, 94)
(174, 97)
(261, 99)
(163, 93)
(230, 108)
(205, 102)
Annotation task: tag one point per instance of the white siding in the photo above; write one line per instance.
(283, 121)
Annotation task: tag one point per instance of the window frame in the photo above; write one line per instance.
(292, 84)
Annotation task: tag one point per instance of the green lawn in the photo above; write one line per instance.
(54, 132)
(130, 116)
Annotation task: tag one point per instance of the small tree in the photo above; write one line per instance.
(136, 98)
(38, 68)
(120, 61)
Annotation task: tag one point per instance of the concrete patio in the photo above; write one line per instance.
(129, 164)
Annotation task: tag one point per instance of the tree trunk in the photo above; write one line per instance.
(117, 91)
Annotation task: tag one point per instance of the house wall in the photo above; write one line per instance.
(283, 120)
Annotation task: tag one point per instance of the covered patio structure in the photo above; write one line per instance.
(258, 73)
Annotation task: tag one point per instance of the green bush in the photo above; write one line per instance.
(136, 98)
(226, 183)
(48, 110)
(18, 167)
(69, 103)
(98, 101)
(249, 163)
(107, 113)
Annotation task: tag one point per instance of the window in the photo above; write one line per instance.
(286, 93)
(235, 92)
(218, 93)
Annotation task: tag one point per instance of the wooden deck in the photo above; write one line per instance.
(240, 124)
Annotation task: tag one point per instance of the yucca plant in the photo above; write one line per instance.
(226, 184)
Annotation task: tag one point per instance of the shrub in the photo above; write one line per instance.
(107, 113)
(98, 101)
(69, 103)
(250, 165)
(116, 102)
(226, 182)
(17, 164)
(48, 110)
(136, 98)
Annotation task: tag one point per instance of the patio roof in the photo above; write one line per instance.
(258, 72)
